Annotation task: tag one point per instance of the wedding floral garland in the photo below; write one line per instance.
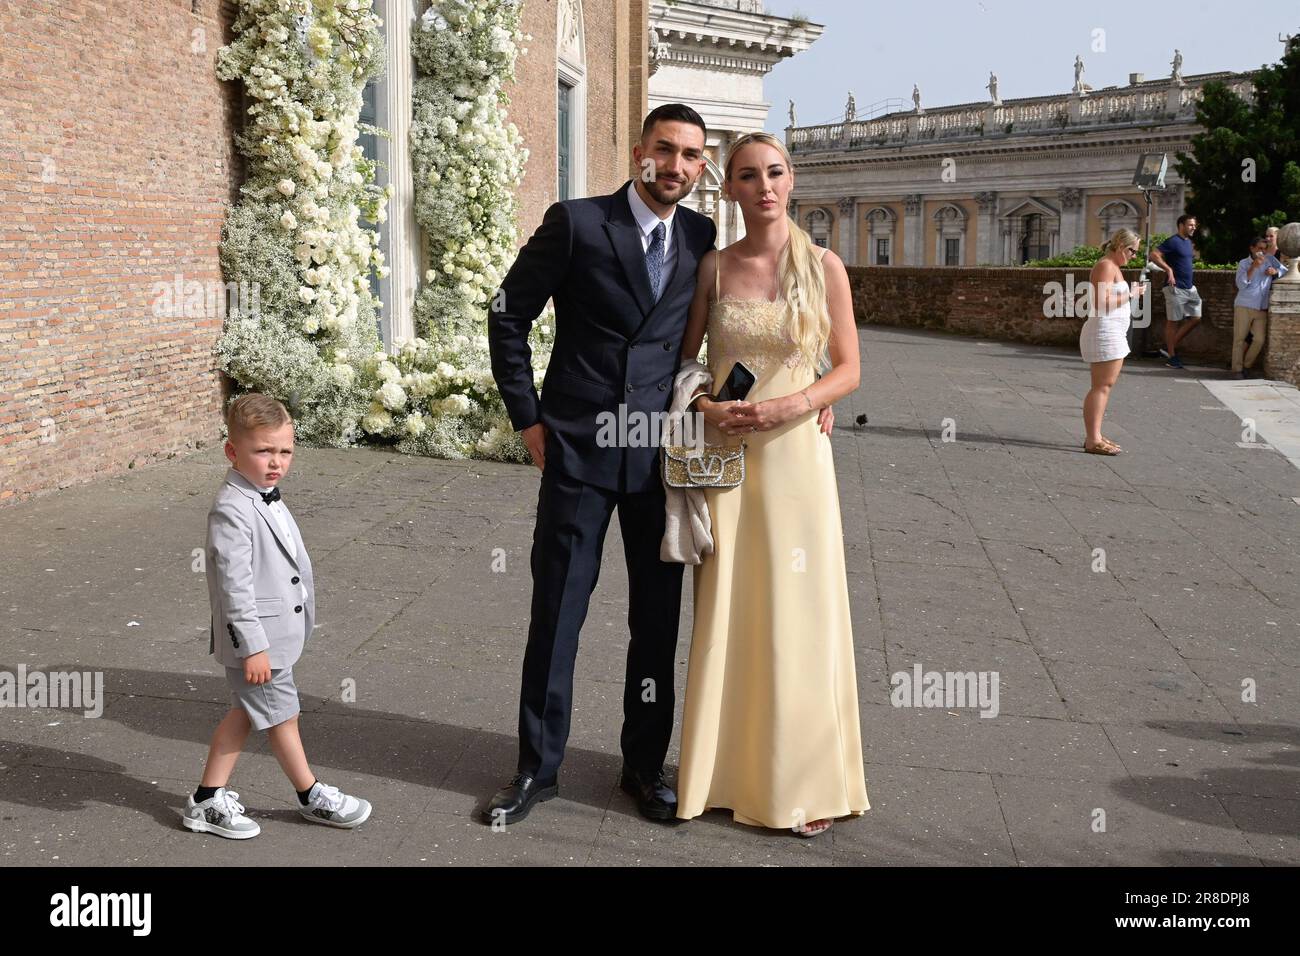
(295, 232)
(296, 235)
(436, 395)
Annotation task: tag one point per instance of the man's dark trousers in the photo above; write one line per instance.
(572, 517)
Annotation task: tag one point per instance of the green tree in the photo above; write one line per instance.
(1242, 173)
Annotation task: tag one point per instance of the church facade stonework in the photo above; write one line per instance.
(713, 55)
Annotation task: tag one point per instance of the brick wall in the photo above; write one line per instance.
(615, 35)
(116, 157)
(638, 74)
(606, 165)
(532, 109)
(1282, 354)
(1008, 304)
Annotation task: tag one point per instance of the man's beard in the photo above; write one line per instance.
(653, 187)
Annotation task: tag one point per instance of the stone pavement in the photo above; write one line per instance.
(1128, 605)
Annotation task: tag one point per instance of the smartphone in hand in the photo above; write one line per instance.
(739, 381)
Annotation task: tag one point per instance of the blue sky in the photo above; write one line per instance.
(879, 49)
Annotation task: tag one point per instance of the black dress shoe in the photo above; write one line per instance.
(654, 798)
(512, 802)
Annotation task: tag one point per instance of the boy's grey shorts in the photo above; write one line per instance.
(266, 704)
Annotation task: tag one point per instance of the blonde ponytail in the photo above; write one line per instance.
(803, 288)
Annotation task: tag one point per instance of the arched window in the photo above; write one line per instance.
(880, 236)
(1115, 215)
(706, 197)
(950, 235)
(819, 227)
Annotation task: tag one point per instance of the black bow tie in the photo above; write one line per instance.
(269, 496)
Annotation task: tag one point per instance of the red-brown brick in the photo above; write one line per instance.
(116, 159)
(1007, 304)
(616, 99)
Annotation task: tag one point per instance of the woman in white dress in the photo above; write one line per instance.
(1103, 341)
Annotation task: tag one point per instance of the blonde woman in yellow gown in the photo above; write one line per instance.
(770, 729)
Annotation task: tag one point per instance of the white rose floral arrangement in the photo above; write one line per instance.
(295, 232)
(467, 164)
(439, 397)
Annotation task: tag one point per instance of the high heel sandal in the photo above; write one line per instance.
(807, 834)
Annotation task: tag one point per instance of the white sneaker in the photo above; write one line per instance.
(329, 805)
(222, 814)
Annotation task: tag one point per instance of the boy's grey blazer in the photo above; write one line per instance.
(253, 583)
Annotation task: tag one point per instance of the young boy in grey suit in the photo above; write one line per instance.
(263, 601)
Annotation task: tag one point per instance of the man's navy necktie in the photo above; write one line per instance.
(654, 259)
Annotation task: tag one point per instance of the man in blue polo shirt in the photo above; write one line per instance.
(1182, 302)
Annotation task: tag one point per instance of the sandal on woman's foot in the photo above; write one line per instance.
(1103, 447)
(1114, 444)
(812, 829)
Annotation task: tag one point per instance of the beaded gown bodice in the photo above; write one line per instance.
(751, 331)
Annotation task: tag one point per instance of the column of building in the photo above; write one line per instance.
(1073, 223)
(986, 227)
(848, 231)
(914, 230)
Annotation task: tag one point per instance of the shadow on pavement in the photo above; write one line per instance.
(1278, 773)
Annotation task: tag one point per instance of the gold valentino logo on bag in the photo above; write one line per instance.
(713, 466)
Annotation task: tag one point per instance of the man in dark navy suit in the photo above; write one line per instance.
(621, 271)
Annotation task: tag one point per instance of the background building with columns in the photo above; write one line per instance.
(995, 183)
(713, 56)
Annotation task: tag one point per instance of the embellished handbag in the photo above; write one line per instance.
(713, 466)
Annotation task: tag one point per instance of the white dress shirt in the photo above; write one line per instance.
(646, 220)
(282, 522)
